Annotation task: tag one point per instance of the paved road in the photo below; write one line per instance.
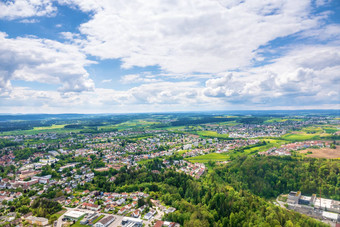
(281, 204)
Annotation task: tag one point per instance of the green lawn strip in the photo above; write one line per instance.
(77, 224)
(97, 219)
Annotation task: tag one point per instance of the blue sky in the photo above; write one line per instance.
(87, 56)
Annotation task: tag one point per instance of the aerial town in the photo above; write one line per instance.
(85, 173)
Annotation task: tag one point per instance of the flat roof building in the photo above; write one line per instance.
(74, 215)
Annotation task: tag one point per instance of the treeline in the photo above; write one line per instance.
(199, 120)
(270, 176)
(42, 207)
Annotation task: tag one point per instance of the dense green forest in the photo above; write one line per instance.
(270, 176)
(206, 202)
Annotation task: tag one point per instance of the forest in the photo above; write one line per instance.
(270, 176)
(206, 202)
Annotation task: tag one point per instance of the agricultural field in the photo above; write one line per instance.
(37, 130)
(300, 137)
(272, 120)
(212, 134)
(209, 157)
(128, 125)
(325, 152)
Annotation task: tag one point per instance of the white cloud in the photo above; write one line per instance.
(185, 36)
(106, 81)
(139, 78)
(45, 61)
(27, 21)
(14, 9)
(305, 76)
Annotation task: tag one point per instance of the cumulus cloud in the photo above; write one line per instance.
(45, 61)
(14, 9)
(185, 36)
(304, 76)
(139, 78)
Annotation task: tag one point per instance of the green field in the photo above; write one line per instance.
(272, 120)
(128, 125)
(49, 127)
(300, 137)
(212, 134)
(209, 157)
(37, 130)
(77, 224)
(330, 130)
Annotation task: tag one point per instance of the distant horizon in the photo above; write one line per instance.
(169, 112)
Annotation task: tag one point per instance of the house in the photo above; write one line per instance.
(122, 210)
(91, 206)
(120, 201)
(105, 221)
(136, 214)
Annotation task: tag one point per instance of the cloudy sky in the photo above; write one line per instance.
(110, 56)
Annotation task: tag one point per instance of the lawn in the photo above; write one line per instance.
(97, 219)
(209, 157)
(77, 224)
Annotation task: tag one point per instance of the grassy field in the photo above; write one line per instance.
(144, 161)
(37, 130)
(281, 120)
(229, 123)
(300, 137)
(49, 127)
(129, 124)
(330, 130)
(212, 134)
(209, 157)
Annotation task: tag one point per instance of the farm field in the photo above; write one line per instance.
(212, 134)
(322, 153)
(300, 137)
(37, 130)
(129, 124)
(209, 157)
(281, 120)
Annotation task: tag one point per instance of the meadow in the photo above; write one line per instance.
(209, 157)
(212, 134)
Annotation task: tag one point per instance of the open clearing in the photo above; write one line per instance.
(212, 134)
(209, 157)
(323, 152)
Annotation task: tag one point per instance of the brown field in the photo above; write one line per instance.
(323, 152)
